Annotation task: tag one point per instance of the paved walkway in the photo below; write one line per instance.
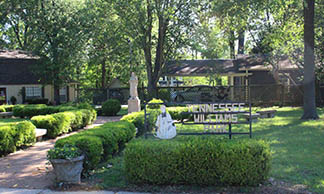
(29, 168)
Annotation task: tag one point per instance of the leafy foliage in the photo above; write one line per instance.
(200, 161)
(100, 143)
(66, 152)
(111, 107)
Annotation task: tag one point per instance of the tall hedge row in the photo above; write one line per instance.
(198, 161)
(13, 136)
(101, 142)
(63, 122)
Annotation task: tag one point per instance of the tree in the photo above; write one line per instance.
(309, 62)
(160, 28)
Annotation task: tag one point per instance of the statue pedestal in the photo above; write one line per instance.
(134, 105)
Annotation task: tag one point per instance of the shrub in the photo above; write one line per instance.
(101, 142)
(8, 108)
(198, 161)
(151, 104)
(37, 101)
(175, 113)
(2, 109)
(29, 110)
(165, 95)
(84, 105)
(137, 118)
(90, 146)
(63, 122)
(16, 135)
(111, 107)
(25, 134)
(13, 100)
(7, 143)
(47, 122)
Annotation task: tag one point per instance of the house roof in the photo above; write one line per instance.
(198, 67)
(259, 62)
(16, 54)
(205, 67)
(16, 68)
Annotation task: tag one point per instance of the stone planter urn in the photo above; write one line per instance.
(68, 170)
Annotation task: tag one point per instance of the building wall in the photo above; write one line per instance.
(15, 90)
(72, 92)
(262, 77)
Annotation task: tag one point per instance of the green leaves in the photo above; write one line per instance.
(199, 161)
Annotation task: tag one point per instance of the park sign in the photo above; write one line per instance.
(217, 116)
(217, 119)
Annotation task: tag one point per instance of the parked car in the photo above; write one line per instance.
(201, 93)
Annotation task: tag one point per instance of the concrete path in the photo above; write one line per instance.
(29, 168)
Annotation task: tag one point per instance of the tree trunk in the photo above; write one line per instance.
(309, 62)
(241, 39)
(103, 74)
(232, 44)
(57, 95)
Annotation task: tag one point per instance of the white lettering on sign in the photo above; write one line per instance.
(219, 113)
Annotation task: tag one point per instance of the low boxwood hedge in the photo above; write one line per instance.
(198, 161)
(137, 118)
(101, 142)
(39, 109)
(13, 136)
(63, 122)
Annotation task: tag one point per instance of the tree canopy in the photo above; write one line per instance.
(95, 42)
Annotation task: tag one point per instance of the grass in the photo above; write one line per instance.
(11, 120)
(297, 147)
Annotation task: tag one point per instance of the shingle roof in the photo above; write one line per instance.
(198, 67)
(16, 68)
(205, 67)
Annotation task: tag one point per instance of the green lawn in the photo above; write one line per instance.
(297, 147)
(6, 121)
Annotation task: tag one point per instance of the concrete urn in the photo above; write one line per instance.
(68, 170)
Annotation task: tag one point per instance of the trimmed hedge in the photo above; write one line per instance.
(2, 109)
(137, 118)
(151, 104)
(101, 142)
(175, 113)
(63, 122)
(111, 107)
(198, 161)
(13, 136)
(39, 109)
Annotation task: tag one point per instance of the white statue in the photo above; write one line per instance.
(133, 82)
(165, 126)
(134, 103)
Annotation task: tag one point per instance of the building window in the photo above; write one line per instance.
(63, 97)
(33, 92)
